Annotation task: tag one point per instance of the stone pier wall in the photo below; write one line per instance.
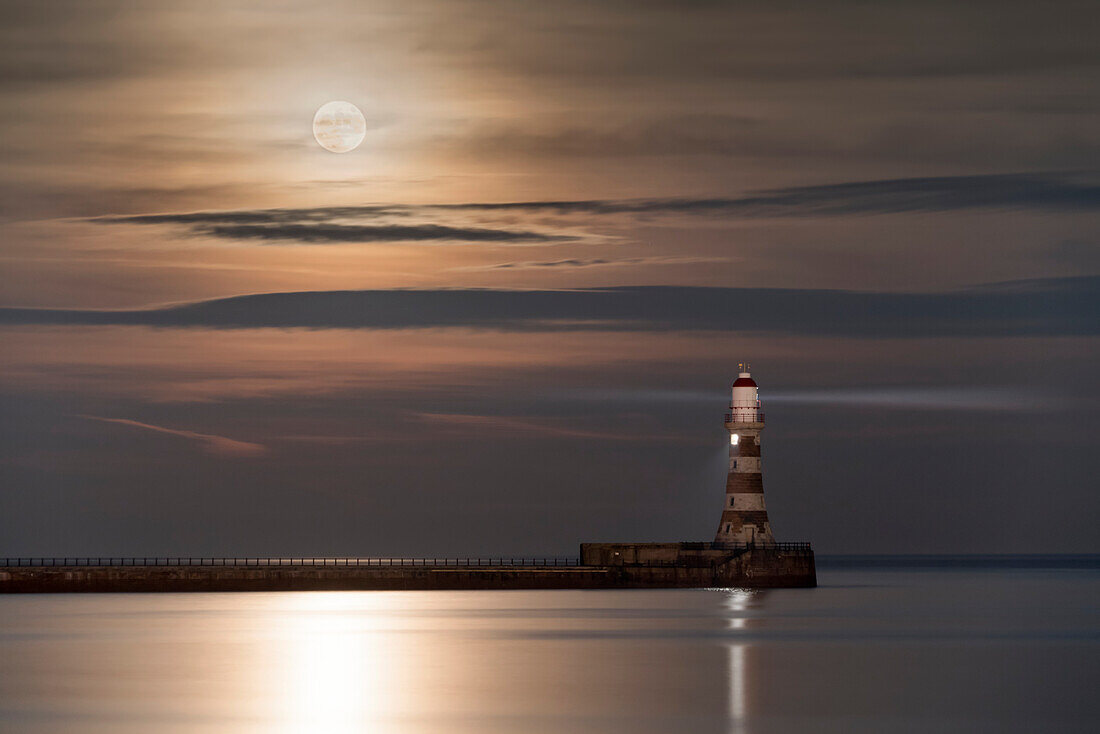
(742, 567)
(652, 566)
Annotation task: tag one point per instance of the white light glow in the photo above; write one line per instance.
(338, 671)
(733, 439)
(339, 126)
(738, 603)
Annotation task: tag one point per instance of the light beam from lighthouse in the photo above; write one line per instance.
(744, 515)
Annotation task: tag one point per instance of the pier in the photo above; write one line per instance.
(599, 566)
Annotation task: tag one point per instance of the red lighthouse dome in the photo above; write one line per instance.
(745, 398)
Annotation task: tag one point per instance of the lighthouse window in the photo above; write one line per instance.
(735, 465)
(731, 501)
(727, 527)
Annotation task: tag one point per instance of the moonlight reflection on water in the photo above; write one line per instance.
(867, 650)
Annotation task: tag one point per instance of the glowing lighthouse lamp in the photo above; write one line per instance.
(744, 515)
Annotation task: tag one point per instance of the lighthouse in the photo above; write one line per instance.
(744, 516)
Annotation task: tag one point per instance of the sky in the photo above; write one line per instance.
(507, 322)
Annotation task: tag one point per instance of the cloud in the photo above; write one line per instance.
(707, 135)
(213, 444)
(568, 263)
(1082, 255)
(284, 216)
(329, 233)
(1062, 192)
(1045, 191)
(257, 216)
(280, 226)
(1047, 307)
(597, 262)
(472, 425)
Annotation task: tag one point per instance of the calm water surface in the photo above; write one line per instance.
(871, 650)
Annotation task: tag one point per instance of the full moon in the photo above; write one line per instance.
(339, 126)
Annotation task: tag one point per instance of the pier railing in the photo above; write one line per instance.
(296, 561)
(364, 562)
(786, 547)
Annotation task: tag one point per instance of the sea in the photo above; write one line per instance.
(887, 644)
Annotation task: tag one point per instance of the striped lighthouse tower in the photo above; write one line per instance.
(744, 516)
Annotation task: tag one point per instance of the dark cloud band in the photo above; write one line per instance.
(890, 196)
(1067, 306)
(310, 226)
(1029, 191)
(324, 233)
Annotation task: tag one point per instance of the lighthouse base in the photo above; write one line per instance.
(708, 565)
